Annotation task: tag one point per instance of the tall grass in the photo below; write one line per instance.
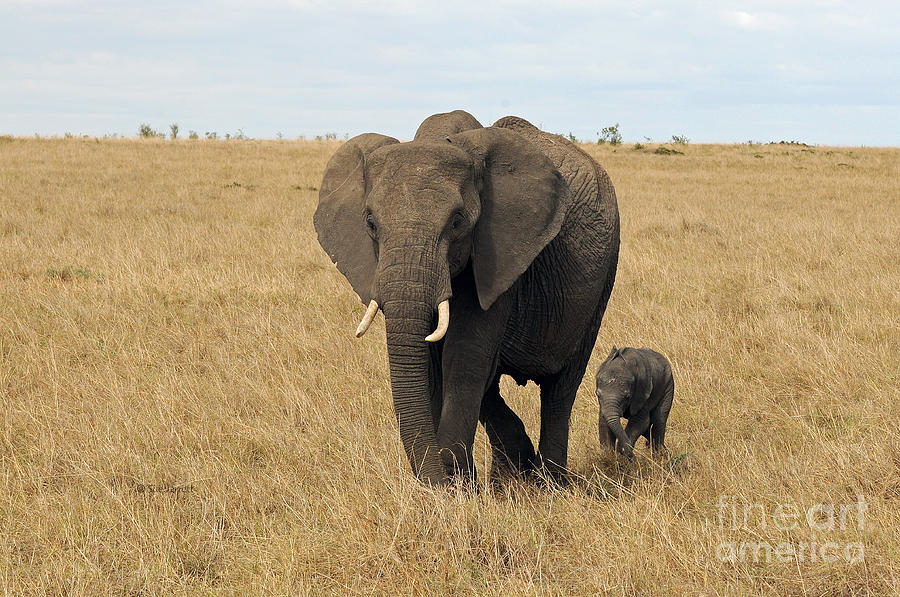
(192, 415)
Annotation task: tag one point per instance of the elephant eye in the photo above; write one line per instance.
(457, 221)
(370, 223)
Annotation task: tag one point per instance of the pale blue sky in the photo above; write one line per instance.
(819, 71)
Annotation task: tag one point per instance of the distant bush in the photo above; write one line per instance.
(680, 140)
(239, 135)
(666, 151)
(146, 131)
(193, 135)
(174, 129)
(212, 136)
(638, 146)
(610, 134)
(791, 142)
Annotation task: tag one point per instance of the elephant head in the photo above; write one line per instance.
(401, 220)
(438, 126)
(623, 389)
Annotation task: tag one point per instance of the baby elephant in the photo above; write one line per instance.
(635, 383)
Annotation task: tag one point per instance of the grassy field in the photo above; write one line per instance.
(184, 409)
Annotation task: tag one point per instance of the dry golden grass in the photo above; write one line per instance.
(185, 410)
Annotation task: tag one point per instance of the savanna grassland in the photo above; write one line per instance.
(184, 409)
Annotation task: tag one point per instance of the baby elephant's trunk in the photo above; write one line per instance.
(611, 412)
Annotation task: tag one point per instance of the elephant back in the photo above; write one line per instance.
(588, 180)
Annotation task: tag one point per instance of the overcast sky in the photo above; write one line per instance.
(819, 71)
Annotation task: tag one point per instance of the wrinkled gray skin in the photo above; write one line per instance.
(519, 229)
(637, 384)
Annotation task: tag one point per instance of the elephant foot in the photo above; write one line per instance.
(551, 475)
(551, 479)
(659, 451)
(518, 465)
(459, 464)
(463, 484)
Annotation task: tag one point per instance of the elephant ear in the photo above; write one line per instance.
(340, 216)
(643, 384)
(523, 204)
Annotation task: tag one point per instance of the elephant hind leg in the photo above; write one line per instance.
(557, 398)
(658, 435)
(659, 417)
(512, 452)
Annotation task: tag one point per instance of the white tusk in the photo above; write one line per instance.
(367, 318)
(443, 322)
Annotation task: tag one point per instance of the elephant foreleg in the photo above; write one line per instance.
(512, 452)
(637, 426)
(469, 366)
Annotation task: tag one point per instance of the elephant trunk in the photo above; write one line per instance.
(611, 412)
(409, 293)
(410, 361)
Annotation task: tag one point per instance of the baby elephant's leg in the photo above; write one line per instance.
(658, 419)
(637, 427)
(658, 432)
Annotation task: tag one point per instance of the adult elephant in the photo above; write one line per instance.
(509, 234)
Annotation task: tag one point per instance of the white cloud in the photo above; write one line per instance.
(799, 72)
(760, 21)
(847, 21)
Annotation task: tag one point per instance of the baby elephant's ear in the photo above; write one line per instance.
(340, 216)
(643, 385)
